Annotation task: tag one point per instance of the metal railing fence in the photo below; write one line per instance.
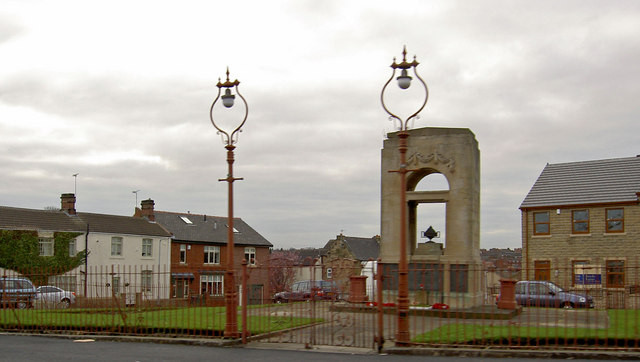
(451, 305)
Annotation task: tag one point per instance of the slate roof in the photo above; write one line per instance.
(363, 248)
(13, 218)
(117, 224)
(208, 229)
(587, 182)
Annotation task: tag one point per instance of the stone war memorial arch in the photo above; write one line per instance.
(448, 272)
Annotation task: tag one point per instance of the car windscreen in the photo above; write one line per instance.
(327, 285)
(554, 288)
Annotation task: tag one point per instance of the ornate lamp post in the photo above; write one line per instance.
(404, 82)
(229, 138)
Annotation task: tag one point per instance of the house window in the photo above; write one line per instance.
(115, 285)
(541, 223)
(580, 223)
(615, 220)
(615, 273)
(45, 246)
(212, 255)
(542, 270)
(459, 278)
(250, 255)
(183, 253)
(146, 280)
(212, 284)
(72, 247)
(116, 246)
(147, 247)
(329, 273)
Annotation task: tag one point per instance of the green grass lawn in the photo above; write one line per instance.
(623, 325)
(166, 320)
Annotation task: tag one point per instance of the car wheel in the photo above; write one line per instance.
(567, 305)
(22, 305)
(65, 303)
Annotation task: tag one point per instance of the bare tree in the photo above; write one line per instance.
(282, 269)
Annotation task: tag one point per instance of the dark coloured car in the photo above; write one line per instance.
(307, 290)
(547, 294)
(17, 292)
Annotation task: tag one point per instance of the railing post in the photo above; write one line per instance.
(244, 301)
(312, 290)
(380, 312)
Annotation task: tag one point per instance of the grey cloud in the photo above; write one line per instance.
(536, 82)
(9, 28)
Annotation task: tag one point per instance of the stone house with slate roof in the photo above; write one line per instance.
(345, 256)
(199, 252)
(581, 225)
(127, 257)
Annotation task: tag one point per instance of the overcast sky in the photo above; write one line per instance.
(119, 92)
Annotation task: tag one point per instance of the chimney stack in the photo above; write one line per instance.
(147, 209)
(68, 203)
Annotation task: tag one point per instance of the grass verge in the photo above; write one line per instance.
(198, 320)
(623, 329)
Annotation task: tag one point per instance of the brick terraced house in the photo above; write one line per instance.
(581, 227)
(199, 252)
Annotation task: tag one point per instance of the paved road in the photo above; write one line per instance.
(53, 349)
(344, 328)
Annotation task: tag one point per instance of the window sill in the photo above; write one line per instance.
(116, 257)
(615, 234)
(579, 235)
(541, 236)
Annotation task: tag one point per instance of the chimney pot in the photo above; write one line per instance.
(148, 209)
(68, 203)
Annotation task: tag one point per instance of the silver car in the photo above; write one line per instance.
(48, 295)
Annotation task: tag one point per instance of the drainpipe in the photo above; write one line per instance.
(526, 240)
(86, 260)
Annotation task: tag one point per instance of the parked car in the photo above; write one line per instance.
(54, 296)
(531, 293)
(307, 290)
(17, 292)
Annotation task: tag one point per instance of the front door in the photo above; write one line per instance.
(255, 294)
(542, 270)
(181, 288)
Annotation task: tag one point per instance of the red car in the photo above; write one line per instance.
(307, 290)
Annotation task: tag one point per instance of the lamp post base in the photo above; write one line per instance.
(231, 304)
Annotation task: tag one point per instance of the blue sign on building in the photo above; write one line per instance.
(588, 279)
